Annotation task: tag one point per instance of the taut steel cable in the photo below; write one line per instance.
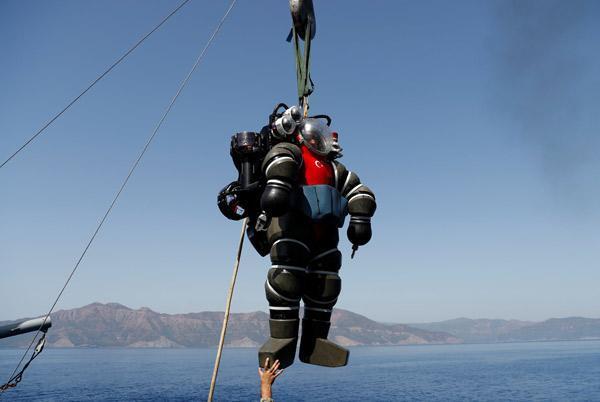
(108, 70)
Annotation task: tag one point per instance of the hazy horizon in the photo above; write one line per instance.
(265, 310)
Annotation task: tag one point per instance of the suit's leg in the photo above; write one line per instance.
(284, 287)
(322, 288)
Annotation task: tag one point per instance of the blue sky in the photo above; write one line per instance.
(475, 123)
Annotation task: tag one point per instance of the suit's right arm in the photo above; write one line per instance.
(280, 167)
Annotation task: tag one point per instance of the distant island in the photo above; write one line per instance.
(115, 325)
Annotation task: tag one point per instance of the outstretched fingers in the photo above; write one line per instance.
(270, 372)
(274, 367)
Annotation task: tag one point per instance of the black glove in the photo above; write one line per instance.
(231, 202)
(359, 231)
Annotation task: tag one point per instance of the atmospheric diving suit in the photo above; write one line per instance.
(296, 196)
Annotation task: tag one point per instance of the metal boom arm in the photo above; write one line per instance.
(22, 327)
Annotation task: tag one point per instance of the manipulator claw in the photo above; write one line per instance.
(359, 232)
(262, 222)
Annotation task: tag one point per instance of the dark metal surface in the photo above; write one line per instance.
(22, 327)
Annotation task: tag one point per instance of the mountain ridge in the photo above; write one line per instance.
(116, 325)
(484, 330)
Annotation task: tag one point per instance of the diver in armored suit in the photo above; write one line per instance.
(298, 199)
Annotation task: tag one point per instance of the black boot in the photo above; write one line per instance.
(316, 349)
(282, 343)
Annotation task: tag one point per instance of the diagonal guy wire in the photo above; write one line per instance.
(108, 70)
(135, 164)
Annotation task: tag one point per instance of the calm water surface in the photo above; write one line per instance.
(557, 371)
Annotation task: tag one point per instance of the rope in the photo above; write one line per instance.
(17, 378)
(135, 164)
(108, 70)
(213, 380)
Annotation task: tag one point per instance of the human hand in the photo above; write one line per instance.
(268, 376)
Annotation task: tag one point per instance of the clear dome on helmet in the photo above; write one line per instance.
(316, 135)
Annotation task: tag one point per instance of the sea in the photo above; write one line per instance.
(543, 371)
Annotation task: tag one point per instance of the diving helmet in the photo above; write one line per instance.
(316, 135)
